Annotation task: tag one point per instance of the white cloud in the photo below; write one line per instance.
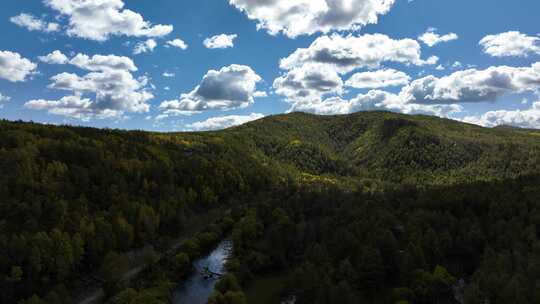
(56, 57)
(219, 123)
(348, 53)
(171, 108)
(304, 17)
(378, 79)
(431, 38)
(14, 67)
(457, 65)
(32, 23)
(147, 46)
(103, 62)
(108, 90)
(529, 118)
(442, 96)
(310, 81)
(168, 74)
(3, 98)
(94, 63)
(510, 44)
(114, 90)
(177, 43)
(473, 85)
(428, 95)
(222, 41)
(313, 80)
(260, 94)
(100, 19)
(230, 88)
(72, 106)
(371, 101)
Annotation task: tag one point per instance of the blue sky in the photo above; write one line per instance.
(490, 83)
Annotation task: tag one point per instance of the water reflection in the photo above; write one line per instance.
(196, 289)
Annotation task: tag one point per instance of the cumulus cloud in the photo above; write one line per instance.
(305, 17)
(177, 43)
(103, 62)
(108, 90)
(371, 101)
(147, 46)
(168, 74)
(473, 85)
(378, 79)
(3, 98)
(72, 106)
(312, 81)
(436, 96)
(14, 67)
(224, 122)
(457, 65)
(100, 19)
(431, 38)
(33, 23)
(260, 94)
(313, 78)
(171, 108)
(222, 41)
(348, 53)
(116, 90)
(56, 57)
(308, 82)
(510, 44)
(231, 87)
(529, 118)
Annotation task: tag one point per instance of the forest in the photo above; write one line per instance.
(370, 207)
(471, 243)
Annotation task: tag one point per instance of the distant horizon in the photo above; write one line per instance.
(74, 125)
(169, 66)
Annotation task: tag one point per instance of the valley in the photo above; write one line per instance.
(371, 207)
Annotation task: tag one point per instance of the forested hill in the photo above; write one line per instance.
(391, 147)
(70, 197)
(366, 145)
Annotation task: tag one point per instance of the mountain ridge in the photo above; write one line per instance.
(375, 145)
(379, 140)
(83, 195)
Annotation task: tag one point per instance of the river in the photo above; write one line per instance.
(196, 289)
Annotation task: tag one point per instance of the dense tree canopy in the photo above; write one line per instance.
(475, 242)
(374, 206)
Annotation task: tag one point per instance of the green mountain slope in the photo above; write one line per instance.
(392, 147)
(71, 196)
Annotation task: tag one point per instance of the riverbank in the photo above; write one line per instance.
(94, 293)
(198, 287)
(158, 281)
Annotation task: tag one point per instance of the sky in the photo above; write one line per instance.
(169, 65)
